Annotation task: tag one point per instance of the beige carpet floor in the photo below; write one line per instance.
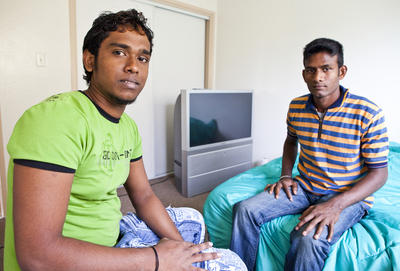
(166, 191)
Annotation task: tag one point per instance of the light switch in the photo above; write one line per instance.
(41, 60)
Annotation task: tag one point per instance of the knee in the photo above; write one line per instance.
(298, 237)
(308, 244)
(190, 223)
(187, 214)
(229, 260)
(192, 212)
(243, 210)
(306, 253)
(240, 207)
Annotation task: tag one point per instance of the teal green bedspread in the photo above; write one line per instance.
(372, 244)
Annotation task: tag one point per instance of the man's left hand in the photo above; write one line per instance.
(320, 215)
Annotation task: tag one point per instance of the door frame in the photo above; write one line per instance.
(3, 179)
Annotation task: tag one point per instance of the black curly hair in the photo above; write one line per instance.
(108, 22)
(332, 47)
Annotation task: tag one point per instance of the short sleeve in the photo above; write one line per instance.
(136, 153)
(290, 129)
(50, 132)
(375, 142)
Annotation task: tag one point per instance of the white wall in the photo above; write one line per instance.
(260, 43)
(27, 28)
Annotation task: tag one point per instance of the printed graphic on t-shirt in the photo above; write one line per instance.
(53, 98)
(109, 156)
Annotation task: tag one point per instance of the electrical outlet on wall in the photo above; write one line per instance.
(41, 59)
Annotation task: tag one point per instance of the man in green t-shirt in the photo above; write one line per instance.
(71, 152)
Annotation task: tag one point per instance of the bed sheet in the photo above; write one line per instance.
(372, 244)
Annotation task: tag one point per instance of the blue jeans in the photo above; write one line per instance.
(135, 233)
(305, 252)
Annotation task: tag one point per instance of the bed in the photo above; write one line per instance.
(372, 244)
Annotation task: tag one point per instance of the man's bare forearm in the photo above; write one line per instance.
(289, 155)
(150, 209)
(365, 187)
(327, 213)
(70, 254)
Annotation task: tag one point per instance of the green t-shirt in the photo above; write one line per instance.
(70, 131)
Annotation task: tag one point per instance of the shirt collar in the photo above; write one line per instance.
(343, 94)
(101, 111)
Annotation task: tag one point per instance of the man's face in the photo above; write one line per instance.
(121, 67)
(322, 75)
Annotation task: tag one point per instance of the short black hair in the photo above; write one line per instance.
(332, 47)
(108, 22)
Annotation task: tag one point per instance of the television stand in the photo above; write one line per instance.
(201, 171)
(201, 167)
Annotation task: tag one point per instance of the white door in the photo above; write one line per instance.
(179, 53)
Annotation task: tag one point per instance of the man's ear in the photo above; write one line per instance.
(342, 72)
(88, 60)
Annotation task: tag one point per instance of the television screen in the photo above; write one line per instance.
(218, 117)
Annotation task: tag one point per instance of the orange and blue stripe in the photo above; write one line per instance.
(337, 148)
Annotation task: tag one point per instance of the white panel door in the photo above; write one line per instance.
(177, 63)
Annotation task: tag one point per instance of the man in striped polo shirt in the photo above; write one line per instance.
(342, 162)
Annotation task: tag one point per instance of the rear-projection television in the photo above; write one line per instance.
(212, 138)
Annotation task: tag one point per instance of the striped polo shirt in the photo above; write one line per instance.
(338, 147)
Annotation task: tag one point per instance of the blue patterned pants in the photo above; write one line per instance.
(135, 233)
